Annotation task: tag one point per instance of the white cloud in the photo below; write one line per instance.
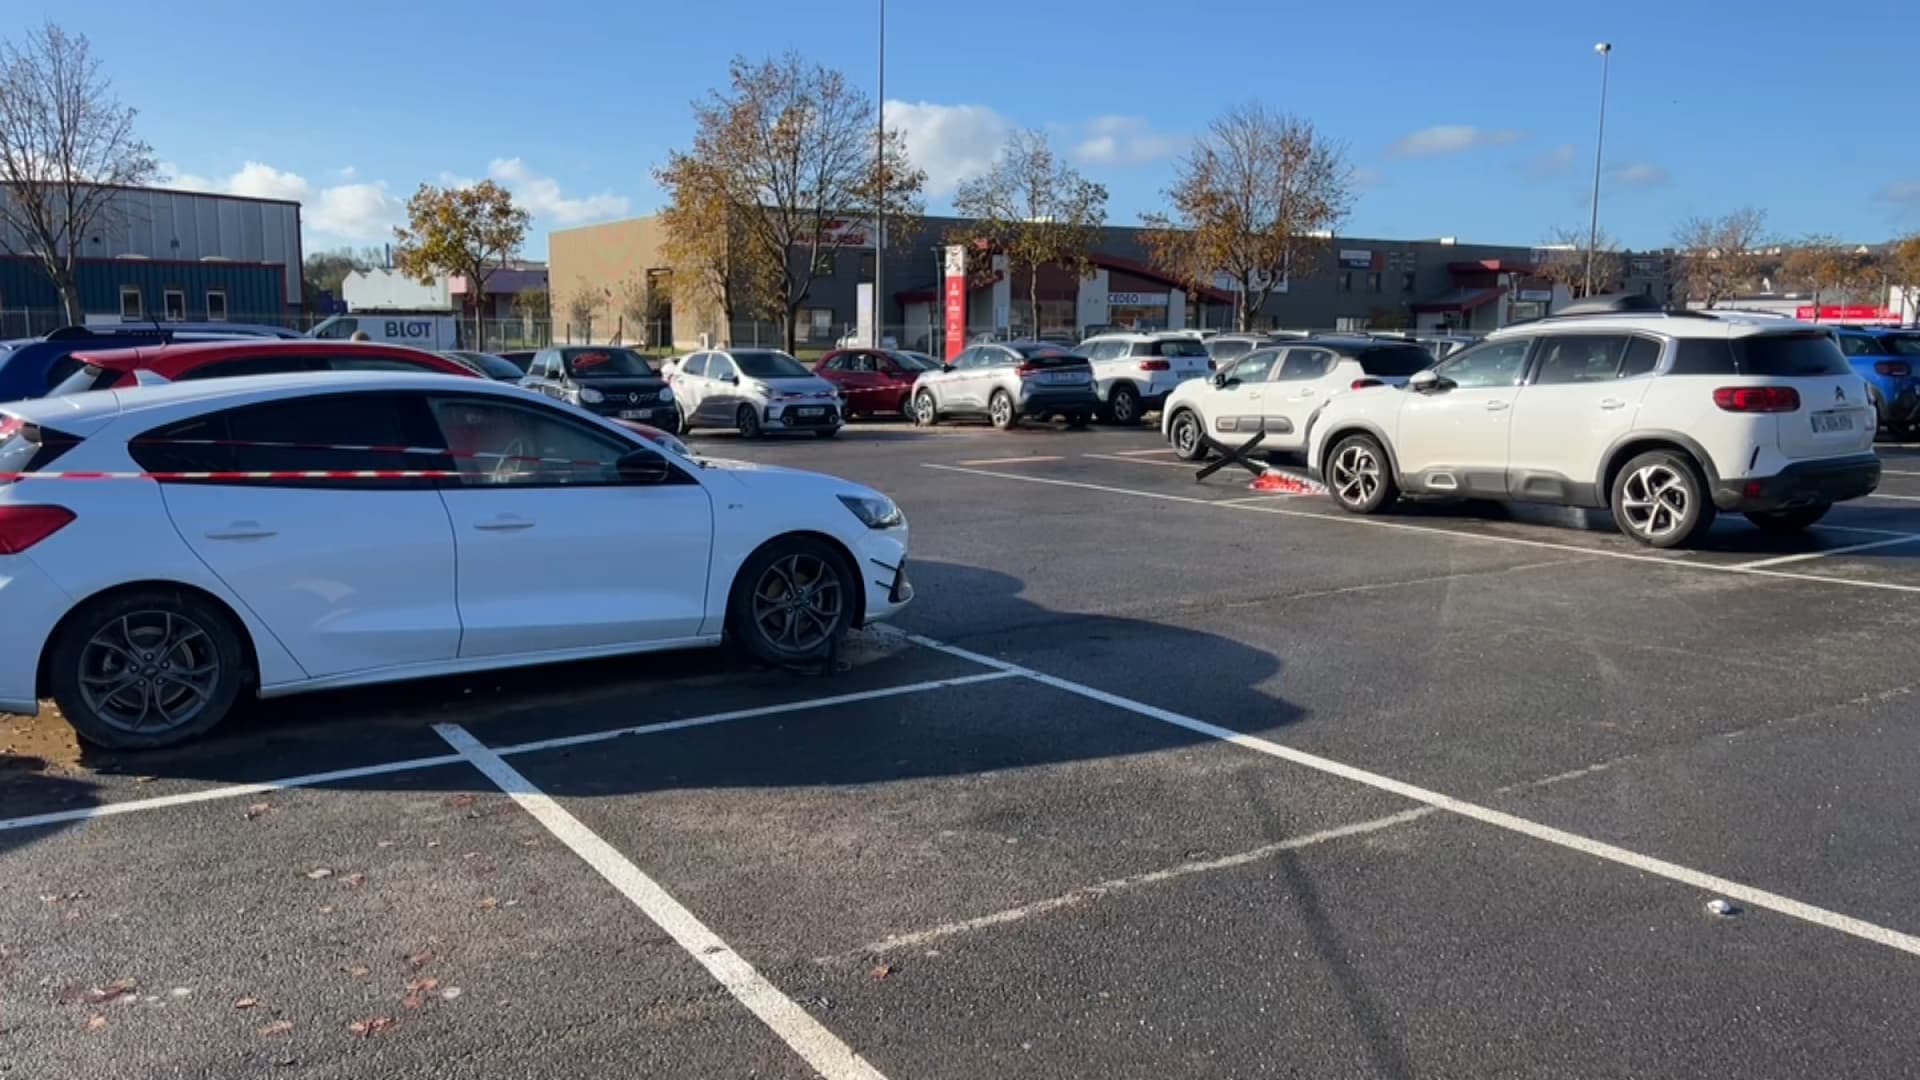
(951, 142)
(1900, 191)
(360, 212)
(344, 172)
(1549, 164)
(1123, 140)
(1642, 174)
(541, 196)
(364, 212)
(1452, 139)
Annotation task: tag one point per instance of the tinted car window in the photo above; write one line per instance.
(62, 369)
(1254, 367)
(1903, 344)
(607, 363)
(1223, 351)
(299, 435)
(1808, 353)
(1179, 347)
(1580, 358)
(1038, 351)
(1643, 355)
(250, 365)
(1702, 356)
(719, 367)
(770, 364)
(696, 364)
(377, 363)
(1398, 361)
(841, 362)
(1494, 363)
(912, 361)
(1305, 364)
(493, 441)
(1860, 345)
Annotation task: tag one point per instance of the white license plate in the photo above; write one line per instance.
(636, 414)
(810, 410)
(1832, 421)
(1065, 377)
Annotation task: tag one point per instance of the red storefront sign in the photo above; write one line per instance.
(1849, 313)
(956, 302)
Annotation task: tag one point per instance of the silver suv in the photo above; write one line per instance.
(1005, 381)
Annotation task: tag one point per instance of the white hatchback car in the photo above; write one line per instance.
(755, 391)
(1664, 418)
(288, 533)
(1134, 373)
(1279, 388)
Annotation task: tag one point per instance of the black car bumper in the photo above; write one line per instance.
(663, 415)
(1806, 483)
(1048, 400)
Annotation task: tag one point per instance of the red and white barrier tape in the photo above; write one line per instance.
(1275, 480)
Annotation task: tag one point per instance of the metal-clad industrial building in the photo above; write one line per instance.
(157, 253)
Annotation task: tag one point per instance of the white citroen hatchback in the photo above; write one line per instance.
(165, 549)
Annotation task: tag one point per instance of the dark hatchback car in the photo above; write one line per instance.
(606, 380)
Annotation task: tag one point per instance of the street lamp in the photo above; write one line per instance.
(880, 195)
(1605, 49)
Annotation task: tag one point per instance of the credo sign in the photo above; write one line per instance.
(1136, 299)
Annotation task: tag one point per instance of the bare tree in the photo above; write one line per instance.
(1254, 200)
(1827, 269)
(1721, 256)
(1563, 261)
(582, 303)
(789, 147)
(65, 145)
(1035, 209)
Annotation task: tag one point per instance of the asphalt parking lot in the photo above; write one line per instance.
(1156, 778)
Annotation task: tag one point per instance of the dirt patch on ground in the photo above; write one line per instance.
(43, 743)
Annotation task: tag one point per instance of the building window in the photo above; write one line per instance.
(1373, 281)
(866, 266)
(175, 302)
(216, 305)
(1406, 281)
(130, 307)
(1346, 281)
(813, 324)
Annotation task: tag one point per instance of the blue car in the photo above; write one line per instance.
(1889, 359)
(29, 367)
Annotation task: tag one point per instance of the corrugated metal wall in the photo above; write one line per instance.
(253, 291)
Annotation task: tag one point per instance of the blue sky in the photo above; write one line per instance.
(1470, 122)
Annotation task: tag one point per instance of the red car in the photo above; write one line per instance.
(874, 380)
(102, 370)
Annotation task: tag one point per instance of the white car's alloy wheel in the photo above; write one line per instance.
(1355, 474)
(149, 672)
(1656, 499)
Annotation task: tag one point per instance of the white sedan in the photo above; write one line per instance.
(1279, 389)
(288, 533)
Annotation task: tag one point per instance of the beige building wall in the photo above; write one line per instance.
(597, 261)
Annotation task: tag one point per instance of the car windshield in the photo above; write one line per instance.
(769, 364)
(1181, 347)
(607, 364)
(1903, 344)
(913, 361)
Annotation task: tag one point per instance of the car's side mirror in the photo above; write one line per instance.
(643, 467)
(1428, 382)
(729, 378)
(946, 369)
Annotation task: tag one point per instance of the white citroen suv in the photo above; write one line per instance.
(1664, 418)
(1134, 373)
(1278, 389)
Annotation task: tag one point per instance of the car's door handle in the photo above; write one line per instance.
(1308, 391)
(1496, 406)
(1612, 403)
(242, 530)
(504, 523)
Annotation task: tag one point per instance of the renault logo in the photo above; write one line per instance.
(631, 398)
(1839, 393)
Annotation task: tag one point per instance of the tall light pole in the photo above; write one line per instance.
(880, 195)
(1605, 49)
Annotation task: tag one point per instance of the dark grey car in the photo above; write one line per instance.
(1005, 381)
(606, 380)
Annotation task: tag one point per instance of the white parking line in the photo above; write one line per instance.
(1141, 461)
(1901, 498)
(235, 791)
(1884, 471)
(1115, 885)
(1805, 555)
(1680, 560)
(1747, 894)
(1011, 460)
(1144, 453)
(806, 1036)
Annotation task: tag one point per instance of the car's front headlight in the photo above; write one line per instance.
(666, 394)
(591, 396)
(874, 511)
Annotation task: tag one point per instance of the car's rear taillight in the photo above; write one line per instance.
(1896, 368)
(10, 426)
(1028, 370)
(1362, 384)
(1155, 365)
(1757, 399)
(21, 527)
(1211, 366)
